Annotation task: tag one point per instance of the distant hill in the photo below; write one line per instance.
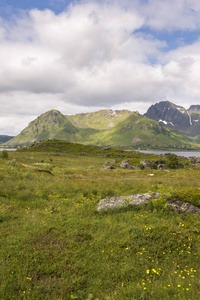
(176, 117)
(120, 128)
(5, 138)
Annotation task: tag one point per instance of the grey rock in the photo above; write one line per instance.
(108, 167)
(135, 168)
(83, 154)
(183, 207)
(124, 201)
(146, 163)
(161, 167)
(125, 165)
(192, 159)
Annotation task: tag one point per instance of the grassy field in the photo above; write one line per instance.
(54, 244)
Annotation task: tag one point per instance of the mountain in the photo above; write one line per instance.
(137, 130)
(103, 128)
(50, 125)
(194, 112)
(176, 117)
(170, 115)
(102, 119)
(5, 138)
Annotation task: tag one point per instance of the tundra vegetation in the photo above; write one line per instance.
(55, 245)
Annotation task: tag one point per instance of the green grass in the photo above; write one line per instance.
(54, 245)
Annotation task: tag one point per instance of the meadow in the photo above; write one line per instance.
(55, 245)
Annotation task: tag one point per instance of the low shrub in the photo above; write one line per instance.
(12, 162)
(5, 154)
(173, 162)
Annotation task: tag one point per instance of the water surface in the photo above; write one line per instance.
(179, 153)
(8, 149)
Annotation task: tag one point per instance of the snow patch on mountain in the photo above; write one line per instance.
(165, 122)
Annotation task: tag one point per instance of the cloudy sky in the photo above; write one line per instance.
(82, 56)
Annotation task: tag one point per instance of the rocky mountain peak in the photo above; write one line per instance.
(194, 109)
(170, 115)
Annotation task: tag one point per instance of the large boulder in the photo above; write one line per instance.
(125, 165)
(183, 207)
(125, 201)
(146, 164)
(192, 159)
(107, 167)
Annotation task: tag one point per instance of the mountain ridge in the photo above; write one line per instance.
(122, 128)
(5, 138)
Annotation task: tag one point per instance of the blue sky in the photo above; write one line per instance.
(175, 38)
(81, 56)
(40, 4)
(10, 6)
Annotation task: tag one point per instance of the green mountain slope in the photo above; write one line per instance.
(137, 130)
(101, 120)
(50, 125)
(103, 128)
(5, 138)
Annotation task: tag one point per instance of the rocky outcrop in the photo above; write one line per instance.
(83, 154)
(125, 201)
(125, 165)
(107, 167)
(194, 109)
(192, 159)
(161, 164)
(183, 207)
(146, 164)
(177, 206)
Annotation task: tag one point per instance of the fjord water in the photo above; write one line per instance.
(158, 152)
(179, 153)
(8, 149)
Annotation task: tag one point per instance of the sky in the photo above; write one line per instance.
(85, 55)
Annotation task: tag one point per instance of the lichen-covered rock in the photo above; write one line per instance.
(192, 159)
(146, 164)
(125, 165)
(124, 201)
(83, 154)
(160, 167)
(107, 167)
(183, 207)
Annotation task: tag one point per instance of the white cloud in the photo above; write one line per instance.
(170, 14)
(91, 56)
